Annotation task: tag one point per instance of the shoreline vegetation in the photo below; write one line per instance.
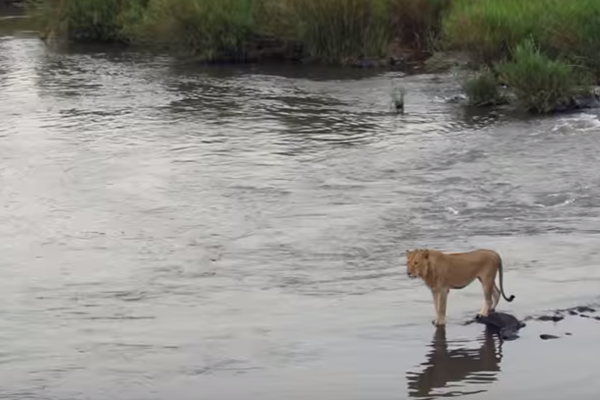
(540, 56)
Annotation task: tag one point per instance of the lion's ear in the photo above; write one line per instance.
(426, 254)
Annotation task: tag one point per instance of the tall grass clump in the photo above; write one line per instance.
(574, 32)
(418, 23)
(208, 29)
(330, 31)
(541, 84)
(341, 31)
(277, 19)
(488, 29)
(86, 20)
(483, 89)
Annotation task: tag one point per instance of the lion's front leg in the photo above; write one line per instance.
(440, 300)
(435, 304)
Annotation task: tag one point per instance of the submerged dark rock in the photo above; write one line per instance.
(458, 99)
(553, 318)
(369, 63)
(559, 315)
(545, 336)
(581, 102)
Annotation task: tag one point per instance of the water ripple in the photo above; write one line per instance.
(166, 227)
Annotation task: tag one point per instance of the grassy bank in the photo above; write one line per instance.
(546, 51)
(330, 31)
(489, 29)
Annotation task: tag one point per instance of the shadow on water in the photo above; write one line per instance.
(446, 371)
(314, 73)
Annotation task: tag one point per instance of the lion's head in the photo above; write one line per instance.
(417, 262)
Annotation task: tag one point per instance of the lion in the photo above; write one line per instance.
(442, 272)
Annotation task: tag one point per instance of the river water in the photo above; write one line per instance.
(170, 231)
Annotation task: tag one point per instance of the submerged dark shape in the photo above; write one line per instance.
(559, 314)
(546, 336)
(580, 102)
(553, 318)
(505, 324)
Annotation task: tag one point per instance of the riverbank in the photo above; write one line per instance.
(547, 52)
(544, 51)
(338, 32)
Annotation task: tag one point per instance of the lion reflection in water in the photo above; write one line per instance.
(454, 368)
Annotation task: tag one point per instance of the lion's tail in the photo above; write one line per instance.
(512, 297)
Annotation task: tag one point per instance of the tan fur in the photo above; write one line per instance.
(442, 272)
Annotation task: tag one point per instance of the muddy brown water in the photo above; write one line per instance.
(175, 232)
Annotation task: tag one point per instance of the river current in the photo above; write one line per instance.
(173, 231)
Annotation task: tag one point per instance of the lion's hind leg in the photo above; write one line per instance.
(488, 292)
(495, 298)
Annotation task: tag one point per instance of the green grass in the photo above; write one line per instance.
(343, 30)
(488, 29)
(330, 31)
(483, 89)
(335, 31)
(566, 34)
(209, 29)
(418, 22)
(546, 51)
(541, 84)
(86, 20)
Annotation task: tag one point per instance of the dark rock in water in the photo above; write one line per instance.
(546, 336)
(554, 318)
(581, 102)
(506, 325)
(371, 63)
(398, 61)
(571, 312)
(568, 333)
(582, 309)
(457, 99)
(584, 316)
(597, 318)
